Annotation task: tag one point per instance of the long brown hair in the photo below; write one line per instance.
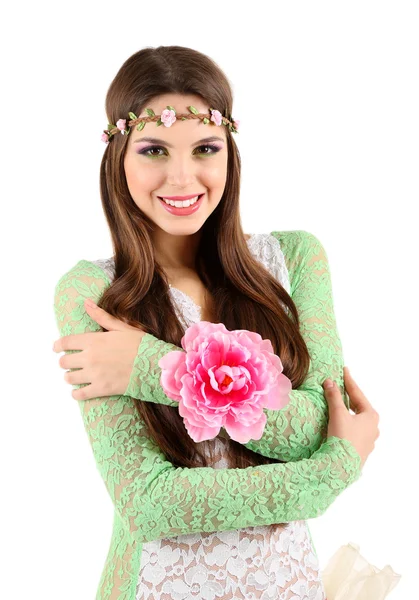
(246, 295)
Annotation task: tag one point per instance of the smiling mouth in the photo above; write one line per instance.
(181, 203)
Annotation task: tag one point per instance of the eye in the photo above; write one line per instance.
(148, 151)
(214, 149)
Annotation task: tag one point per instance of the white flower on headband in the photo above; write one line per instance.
(168, 117)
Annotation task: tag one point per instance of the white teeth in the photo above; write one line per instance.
(181, 203)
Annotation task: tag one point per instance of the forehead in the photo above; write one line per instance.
(180, 103)
(188, 131)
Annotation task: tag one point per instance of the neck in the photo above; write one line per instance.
(176, 252)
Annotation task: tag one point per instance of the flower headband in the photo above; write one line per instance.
(167, 118)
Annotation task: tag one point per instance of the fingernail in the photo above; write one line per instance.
(328, 383)
(90, 303)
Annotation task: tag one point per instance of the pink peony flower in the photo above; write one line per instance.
(168, 117)
(121, 123)
(216, 116)
(105, 138)
(224, 379)
(236, 124)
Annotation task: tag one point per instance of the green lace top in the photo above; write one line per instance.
(152, 498)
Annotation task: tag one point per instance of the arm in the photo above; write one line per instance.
(155, 499)
(301, 426)
(298, 429)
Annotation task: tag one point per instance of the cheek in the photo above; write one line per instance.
(140, 177)
(130, 172)
(217, 175)
(214, 168)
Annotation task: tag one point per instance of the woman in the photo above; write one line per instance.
(217, 518)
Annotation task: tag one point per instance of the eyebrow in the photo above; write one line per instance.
(154, 140)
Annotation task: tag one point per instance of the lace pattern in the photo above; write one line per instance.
(251, 562)
(299, 429)
(167, 517)
(247, 563)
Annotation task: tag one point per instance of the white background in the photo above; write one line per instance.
(327, 95)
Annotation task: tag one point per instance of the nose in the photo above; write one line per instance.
(181, 173)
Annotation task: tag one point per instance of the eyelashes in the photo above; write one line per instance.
(146, 151)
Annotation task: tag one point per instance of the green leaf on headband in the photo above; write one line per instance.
(110, 126)
(141, 125)
(205, 120)
(183, 119)
(193, 110)
(171, 108)
(150, 112)
(159, 122)
(132, 115)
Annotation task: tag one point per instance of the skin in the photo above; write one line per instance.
(184, 169)
(178, 171)
(112, 353)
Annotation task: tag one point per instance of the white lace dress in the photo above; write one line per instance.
(254, 563)
(261, 562)
(251, 563)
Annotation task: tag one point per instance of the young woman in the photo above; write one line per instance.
(215, 519)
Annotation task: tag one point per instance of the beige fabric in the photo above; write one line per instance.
(349, 576)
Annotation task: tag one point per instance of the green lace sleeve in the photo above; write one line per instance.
(155, 499)
(297, 430)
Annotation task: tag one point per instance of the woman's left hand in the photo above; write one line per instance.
(106, 358)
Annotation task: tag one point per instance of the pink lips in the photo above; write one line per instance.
(182, 212)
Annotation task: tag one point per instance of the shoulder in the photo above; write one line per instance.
(83, 280)
(83, 273)
(303, 253)
(295, 237)
(292, 246)
(298, 242)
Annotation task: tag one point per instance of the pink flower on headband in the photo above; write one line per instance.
(236, 124)
(224, 379)
(216, 116)
(168, 117)
(121, 123)
(105, 138)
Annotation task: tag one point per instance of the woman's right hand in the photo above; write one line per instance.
(361, 429)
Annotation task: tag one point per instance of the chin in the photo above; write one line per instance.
(182, 228)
